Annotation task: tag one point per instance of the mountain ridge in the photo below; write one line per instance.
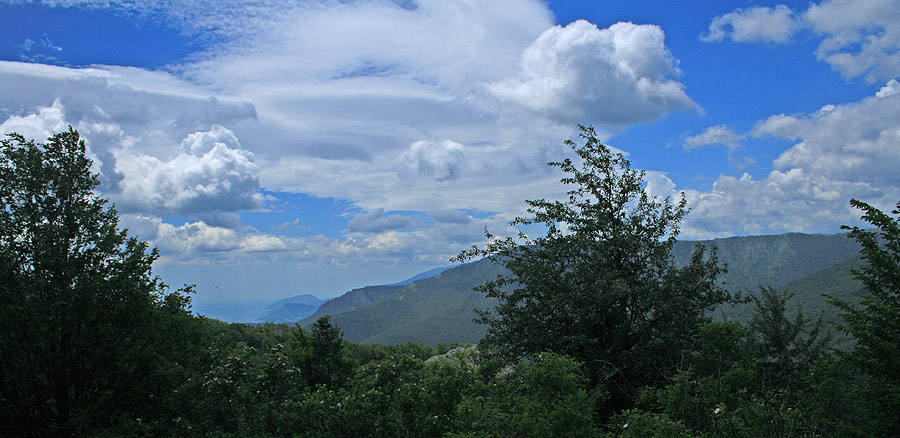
(441, 309)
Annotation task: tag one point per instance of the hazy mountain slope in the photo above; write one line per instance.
(307, 299)
(809, 294)
(440, 308)
(291, 309)
(433, 310)
(289, 312)
(349, 301)
(772, 260)
(422, 276)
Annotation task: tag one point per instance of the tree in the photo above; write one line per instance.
(81, 315)
(786, 349)
(876, 322)
(601, 285)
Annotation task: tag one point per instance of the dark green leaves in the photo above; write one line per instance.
(600, 285)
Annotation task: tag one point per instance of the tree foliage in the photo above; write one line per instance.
(875, 323)
(600, 285)
(81, 315)
(786, 347)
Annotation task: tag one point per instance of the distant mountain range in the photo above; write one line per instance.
(292, 309)
(440, 308)
(439, 305)
(300, 307)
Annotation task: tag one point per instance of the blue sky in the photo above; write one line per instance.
(273, 148)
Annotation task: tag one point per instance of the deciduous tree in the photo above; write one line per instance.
(80, 340)
(600, 285)
(875, 322)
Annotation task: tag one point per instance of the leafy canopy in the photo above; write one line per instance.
(600, 285)
(82, 324)
(875, 323)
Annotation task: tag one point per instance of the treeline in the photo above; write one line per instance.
(770, 378)
(596, 333)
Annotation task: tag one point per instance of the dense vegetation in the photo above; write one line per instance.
(597, 333)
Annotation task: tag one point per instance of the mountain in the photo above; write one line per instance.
(306, 306)
(774, 260)
(424, 275)
(429, 311)
(349, 301)
(809, 294)
(292, 309)
(306, 299)
(441, 308)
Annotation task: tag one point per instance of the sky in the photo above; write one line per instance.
(272, 148)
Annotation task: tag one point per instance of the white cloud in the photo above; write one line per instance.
(201, 243)
(854, 142)
(890, 89)
(210, 173)
(714, 136)
(842, 152)
(38, 125)
(376, 222)
(440, 160)
(385, 78)
(153, 109)
(436, 43)
(861, 36)
(579, 73)
(784, 201)
(756, 24)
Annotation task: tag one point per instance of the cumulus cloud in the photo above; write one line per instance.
(201, 243)
(440, 160)
(210, 174)
(153, 109)
(861, 36)
(38, 125)
(841, 152)
(131, 120)
(783, 201)
(347, 126)
(615, 76)
(756, 24)
(720, 135)
(376, 222)
(854, 142)
(193, 241)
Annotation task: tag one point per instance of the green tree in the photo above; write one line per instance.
(786, 349)
(320, 354)
(80, 311)
(875, 323)
(600, 285)
(546, 398)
